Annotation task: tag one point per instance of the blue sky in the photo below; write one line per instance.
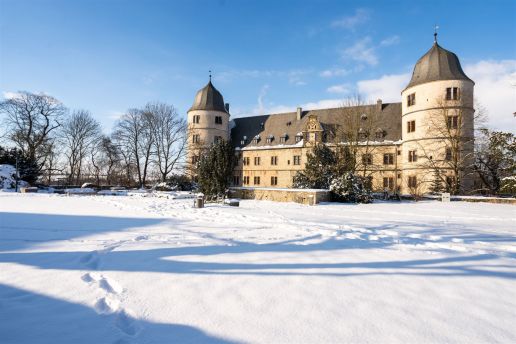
(108, 56)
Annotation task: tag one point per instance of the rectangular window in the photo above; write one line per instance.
(195, 159)
(269, 139)
(452, 93)
(412, 181)
(246, 161)
(236, 180)
(196, 118)
(274, 180)
(411, 126)
(411, 99)
(297, 159)
(256, 180)
(452, 122)
(448, 155)
(274, 160)
(298, 138)
(257, 160)
(282, 139)
(246, 180)
(196, 138)
(388, 159)
(388, 183)
(412, 156)
(217, 139)
(367, 159)
(218, 119)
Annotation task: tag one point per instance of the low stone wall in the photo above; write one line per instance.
(303, 196)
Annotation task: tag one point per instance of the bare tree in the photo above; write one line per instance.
(105, 158)
(31, 120)
(452, 159)
(133, 131)
(79, 134)
(169, 136)
(355, 135)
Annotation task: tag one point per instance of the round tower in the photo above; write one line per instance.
(208, 121)
(437, 125)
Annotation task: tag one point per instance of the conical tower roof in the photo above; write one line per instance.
(437, 64)
(208, 98)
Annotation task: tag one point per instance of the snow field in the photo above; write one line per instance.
(121, 269)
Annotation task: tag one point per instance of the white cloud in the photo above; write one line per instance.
(350, 22)
(390, 41)
(329, 73)
(361, 51)
(341, 89)
(10, 95)
(261, 96)
(387, 88)
(495, 90)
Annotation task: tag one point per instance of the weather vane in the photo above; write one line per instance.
(210, 74)
(435, 33)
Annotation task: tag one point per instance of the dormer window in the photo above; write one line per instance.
(363, 117)
(283, 138)
(299, 137)
(270, 138)
(380, 133)
(452, 93)
(244, 139)
(261, 125)
(256, 139)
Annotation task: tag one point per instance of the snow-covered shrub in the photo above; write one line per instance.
(508, 185)
(351, 188)
(164, 186)
(7, 177)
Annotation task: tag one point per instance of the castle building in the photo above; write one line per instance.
(403, 147)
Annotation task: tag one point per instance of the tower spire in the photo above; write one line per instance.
(210, 74)
(435, 33)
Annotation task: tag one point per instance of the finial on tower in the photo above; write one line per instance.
(435, 33)
(210, 74)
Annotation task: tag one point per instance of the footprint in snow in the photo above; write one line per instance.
(126, 323)
(107, 305)
(91, 260)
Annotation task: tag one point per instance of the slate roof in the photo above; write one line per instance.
(286, 123)
(208, 98)
(437, 64)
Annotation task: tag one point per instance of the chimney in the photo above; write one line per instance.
(227, 107)
(379, 105)
(299, 113)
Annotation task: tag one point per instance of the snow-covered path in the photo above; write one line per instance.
(108, 269)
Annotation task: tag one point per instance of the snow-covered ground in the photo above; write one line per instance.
(119, 269)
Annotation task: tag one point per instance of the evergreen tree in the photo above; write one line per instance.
(215, 169)
(351, 188)
(437, 183)
(28, 168)
(319, 170)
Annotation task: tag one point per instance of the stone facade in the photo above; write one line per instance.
(410, 141)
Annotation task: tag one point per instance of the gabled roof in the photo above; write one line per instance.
(208, 98)
(286, 123)
(437, 64)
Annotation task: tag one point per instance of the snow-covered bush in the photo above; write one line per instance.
(351, 188)
(7, 177)
(508, 185)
